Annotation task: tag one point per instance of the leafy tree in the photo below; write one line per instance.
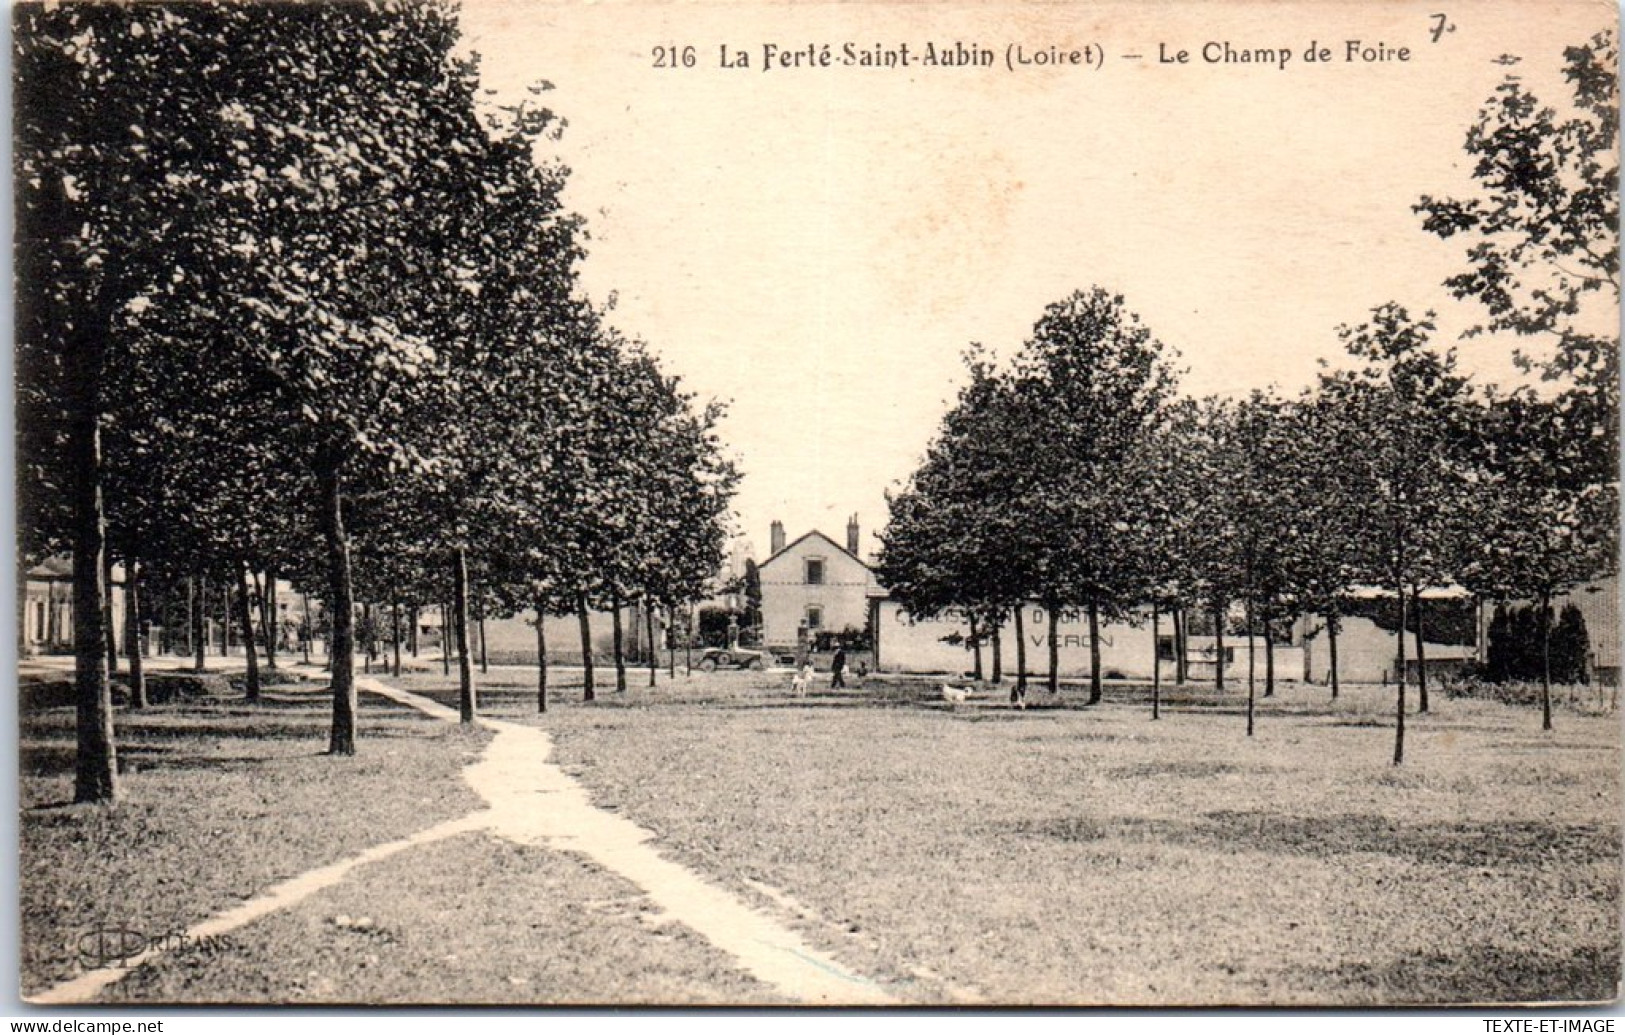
(956, 537)
(1412, 462)
(1215, 564)
(1323, 546)
(1533, 528)
(115, 154)
(1570, 650)
(349, 226)
(1260, 489)
(1542, 237)
(1092, 381)
(1167, 493)
(753, 596)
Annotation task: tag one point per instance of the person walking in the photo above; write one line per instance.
(837, 669)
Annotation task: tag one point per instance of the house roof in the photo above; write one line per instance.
(59, 566)
(808, 535)
(1367, 592)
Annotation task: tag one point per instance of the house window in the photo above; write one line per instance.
(815, 618)
(815, 571)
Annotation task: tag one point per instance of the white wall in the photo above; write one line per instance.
(917, 645)
(786, 594)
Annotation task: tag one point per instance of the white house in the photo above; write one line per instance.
(815, 583)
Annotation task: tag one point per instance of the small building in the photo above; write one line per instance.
(813, 583)
(942, 644)
(1368, 653)
(47, 606)
(512, 641)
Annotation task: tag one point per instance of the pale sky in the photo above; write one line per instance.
(818, 246)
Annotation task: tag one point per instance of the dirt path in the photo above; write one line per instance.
(530, 800)
(533, 801)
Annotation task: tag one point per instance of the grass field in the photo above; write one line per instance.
(1058, 854)
(1070, 854)
(222, 799)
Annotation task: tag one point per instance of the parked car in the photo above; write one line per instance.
(721, 657)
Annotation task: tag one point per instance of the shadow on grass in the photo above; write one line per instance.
(1181, 770)
(142, 763)
(45, 759)
(1487, 972)
(165, 737)
(1485, 845)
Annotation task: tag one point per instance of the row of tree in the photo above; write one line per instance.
(297, 302)
(1076, 477)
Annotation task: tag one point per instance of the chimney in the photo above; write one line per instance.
(776, 538)
(852, 536)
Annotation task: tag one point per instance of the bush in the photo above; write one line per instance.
(183, 686)
(851, 638)
(1449, 620)
(38, 696)
(1523, 693)
(268, 677)
(1475, 685)
(1514, 650)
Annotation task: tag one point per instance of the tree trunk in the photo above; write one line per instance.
(197, 603)
(587, 690)
(132, 632)
(50, 612)
(1399, 707)
(95, 759)
(1252, 659)
(1179, 646)
(22, 608)
(649, 634)
(671, 642)
(467, 705)
(245, 616)
(341, 641)
(1269, 654)
(445, 638)
(1332, 622)
(1156, 663)
(541, 655)
(107, 614)
(1094, 650)
(1421, 653)
(485, 657)
(395, 633)
(1054, 623)
(269, 624)
(1249, 664)
(414, 620)
(1218, 647)
(307, 628)
(976, 647)
(1020, 691)
(997, 623)
(619, 638)
(1546, 661)
(273, 624)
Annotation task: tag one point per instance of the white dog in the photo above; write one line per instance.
(802, 681)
